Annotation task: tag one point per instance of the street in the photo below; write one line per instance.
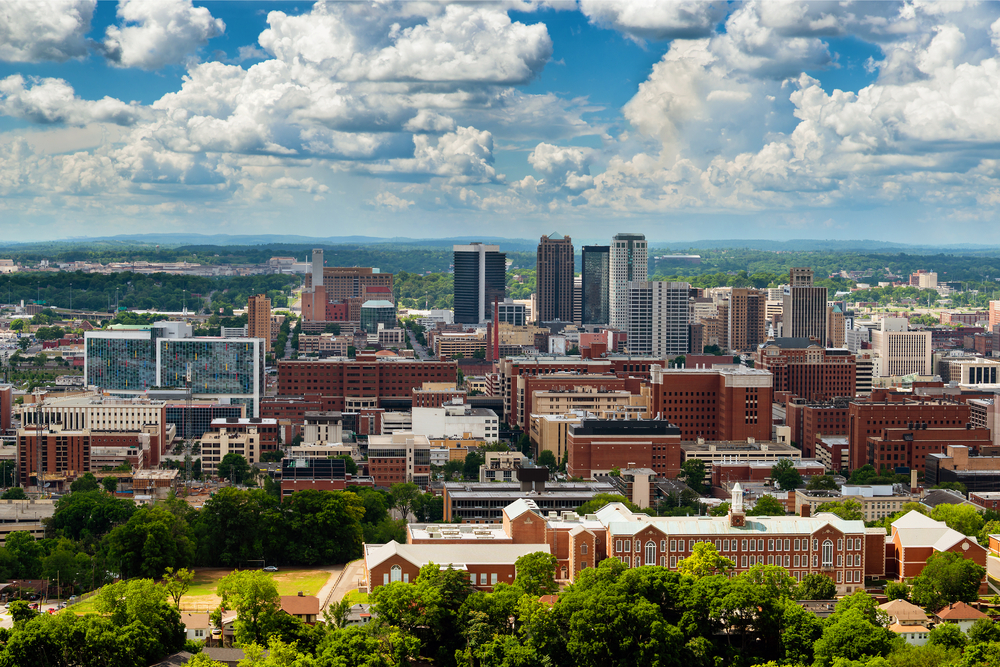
(419, 350)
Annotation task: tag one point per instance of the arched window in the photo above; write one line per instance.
(828, 553)
(396, 573)
(650, 553)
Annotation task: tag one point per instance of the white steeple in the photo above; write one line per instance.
(737, 503)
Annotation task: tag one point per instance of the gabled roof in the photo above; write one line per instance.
(900, 629)
(916, 530)
(195, 621)
(519, 507)
(960, 611)
(457, 555)
(300, 604)
(903, 611)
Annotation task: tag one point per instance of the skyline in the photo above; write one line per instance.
(683, 121)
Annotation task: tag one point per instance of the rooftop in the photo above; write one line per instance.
(455, 555)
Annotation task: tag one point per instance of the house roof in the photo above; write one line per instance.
(176, 660)
(943, 497)
(902, 611)
(300, 604)
(899, 629)
(519, 507)
(916, 530)
(457, 555)
(195, 621)
(960, 611)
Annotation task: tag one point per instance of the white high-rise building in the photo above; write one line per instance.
(628, 263)
(900, 351)
(659, 315)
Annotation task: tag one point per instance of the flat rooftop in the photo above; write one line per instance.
(731, 446)
(457, 531)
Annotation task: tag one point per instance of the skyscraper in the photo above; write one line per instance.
(658, 317)
(259, 318)
(554, 278)
(480, 277)
(628, 263)
(595, 273)
(747, 310)
(804, 311)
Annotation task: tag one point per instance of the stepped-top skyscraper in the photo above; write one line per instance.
(804, 308)
(595, 273)
(554, 278)
(480, 277)
(628, 263)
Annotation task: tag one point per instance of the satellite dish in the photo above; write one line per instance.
(48, 484)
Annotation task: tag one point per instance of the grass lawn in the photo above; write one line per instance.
(356, 597)
(85, 607)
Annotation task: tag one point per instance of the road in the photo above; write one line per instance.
(7, 621)
(418, 349)
(348, 582)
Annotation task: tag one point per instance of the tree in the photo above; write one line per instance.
(470, 470)
(86, 482)
(14, 493)
(693, 474)
(816, 587)
(705, 561)
(947, 578)
(452, 469)
(722, 509)
(536, 574)
(767, 505)
(352, 467)
(110, 484)
(548, 459)
(273, 456)
(602, 499)
(254, 597)
(23, 343)
(150, 541)
(139, 611)
(848, 509)
(948, 635)
(177, 583)
(895, 590)
(785, 475)
(966, 519)
(233, 467)
(27, 554)
(428, 507)
(402, 496)
(319, 527)
(851, 635)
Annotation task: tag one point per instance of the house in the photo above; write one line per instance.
(178, 659)
(303, 607)
(230, 657)
(915, 537)
(908, 621)
(961, 614)
(359, 614)
(197, 626)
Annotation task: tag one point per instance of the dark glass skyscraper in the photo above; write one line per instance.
(554, 279)
(480, 277)
(595, 272)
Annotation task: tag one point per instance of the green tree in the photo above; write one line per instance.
(89, 515)
(848, 509)
(86, 482)
(352, 467)
(152, 540)
(26, 553)
(536, 574)
(177, 583)
(722, 509)
(966, 519)
(602, 499)
(428, 507)
(785, 475)
(254, 597)
(402, 496)
(767, 505)
(948, 635)
(850, 635)
(110, 484)
(895, 590)
(14, 493)
(693, 474)
(816, 587)
(234, 468)
(138, 610)
(470, 470)
(320, 527)
(548, 459)
(947, 578)
(705, 561)
(984, 631)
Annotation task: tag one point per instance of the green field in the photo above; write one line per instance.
(356, 597)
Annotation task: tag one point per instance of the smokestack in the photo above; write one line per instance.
(496, 329)
(489, 341)
(317, 268)
(913, 481)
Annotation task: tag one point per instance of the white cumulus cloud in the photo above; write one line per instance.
(155, 33)
(44, 29)
(54, 101)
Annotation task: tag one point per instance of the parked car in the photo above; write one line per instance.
(271, 568)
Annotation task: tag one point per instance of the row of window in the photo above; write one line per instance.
(753, 544)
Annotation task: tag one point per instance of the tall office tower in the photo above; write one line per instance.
(595, 271)
(259, 318)
(577, 300)
(628, 263)
(554, 279)
(314, 294)
(803, 313)
(899, 351)
(480, 277)
(747, 312)
(659, 315)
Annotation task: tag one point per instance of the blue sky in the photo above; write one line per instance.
(683, 120)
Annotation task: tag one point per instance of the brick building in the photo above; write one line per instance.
(915, 538)
(400, 457)
(806, 369)
(596, 446)
(726, 473)
(958, 464)
(809, 421)
(714, 403)
(908, 445)
(435, 398)
(887, 411)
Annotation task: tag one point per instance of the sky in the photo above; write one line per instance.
(680, 119)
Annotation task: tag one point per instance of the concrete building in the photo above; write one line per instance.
(597, 446)
(594, 288)
(835, 326)
(480, 279)
(484, 503)
(804, 307)
(456, 420)
(747, 314)
(659, 317)
(501, 466)
(746, 451)
(399, 457)
(628, 262)
(957, 463)
(554, 278)
(323, 427)
(259, 319)
(877, 501)
(808, 370)
(325, 344)
(899, 351)
(714, 403)
(833, 451)
(248, 439)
